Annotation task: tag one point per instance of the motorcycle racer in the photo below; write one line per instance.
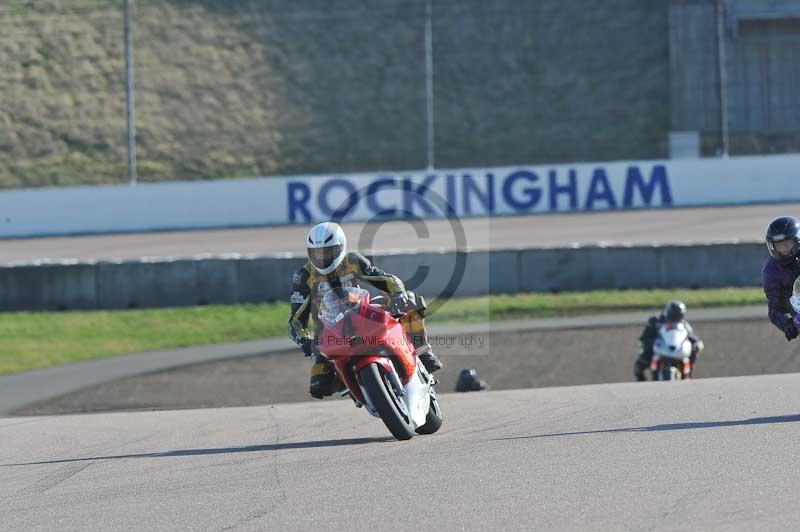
(780, 270)
(331, 266)
(674, 312)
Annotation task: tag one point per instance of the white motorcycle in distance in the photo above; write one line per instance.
(671, 353)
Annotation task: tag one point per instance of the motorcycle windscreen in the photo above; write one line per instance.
(794, 301)
(673, 341)
(337, 302)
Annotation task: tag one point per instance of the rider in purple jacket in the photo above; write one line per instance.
(781, 270)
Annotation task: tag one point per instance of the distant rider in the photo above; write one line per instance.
(674, 312)
(330, 266)
(780, 271)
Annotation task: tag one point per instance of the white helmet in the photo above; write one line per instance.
(326, 246)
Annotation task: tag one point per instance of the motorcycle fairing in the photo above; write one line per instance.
(673, 341)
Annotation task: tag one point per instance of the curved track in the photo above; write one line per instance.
(508, 359)
(667, 226)
(715, 454)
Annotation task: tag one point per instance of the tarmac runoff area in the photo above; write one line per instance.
(660, 226)
(509, 355)
(709, 454)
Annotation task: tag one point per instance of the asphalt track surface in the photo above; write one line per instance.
(507, 359)
(664, 226)
(713, 454)
(19, 390)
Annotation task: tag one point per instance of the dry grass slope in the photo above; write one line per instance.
(246, 87)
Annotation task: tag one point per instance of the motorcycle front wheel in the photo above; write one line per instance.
(390, 407)
(669, 373)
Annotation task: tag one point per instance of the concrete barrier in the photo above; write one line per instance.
(239, 279)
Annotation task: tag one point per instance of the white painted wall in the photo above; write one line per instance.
(303, 199)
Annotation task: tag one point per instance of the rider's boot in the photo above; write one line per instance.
(693, 359)
(323, 377)
(639, 367)
(423, 349)
(428, 358)
(414, 324)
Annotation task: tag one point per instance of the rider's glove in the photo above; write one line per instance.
(697, 347)
(790, 330)
(400, 303)
(307, 345)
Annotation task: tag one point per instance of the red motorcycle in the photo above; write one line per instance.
(375, 361)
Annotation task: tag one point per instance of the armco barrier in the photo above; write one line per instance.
(236, 279)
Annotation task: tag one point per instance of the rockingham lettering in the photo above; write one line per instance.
(479, 192)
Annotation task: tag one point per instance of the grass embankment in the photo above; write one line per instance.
(33, 340)
(242, 88)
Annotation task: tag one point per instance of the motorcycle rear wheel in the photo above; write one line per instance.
(386, 402)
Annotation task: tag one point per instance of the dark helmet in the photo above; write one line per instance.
(783, 229)
(468, 381)
(675, 311)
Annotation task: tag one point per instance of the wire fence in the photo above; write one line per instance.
(243, 88)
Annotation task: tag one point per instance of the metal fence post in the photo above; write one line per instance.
(723, 78)
(429, 123)
(129, 104)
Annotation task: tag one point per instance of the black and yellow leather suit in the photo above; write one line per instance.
(309, 288)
